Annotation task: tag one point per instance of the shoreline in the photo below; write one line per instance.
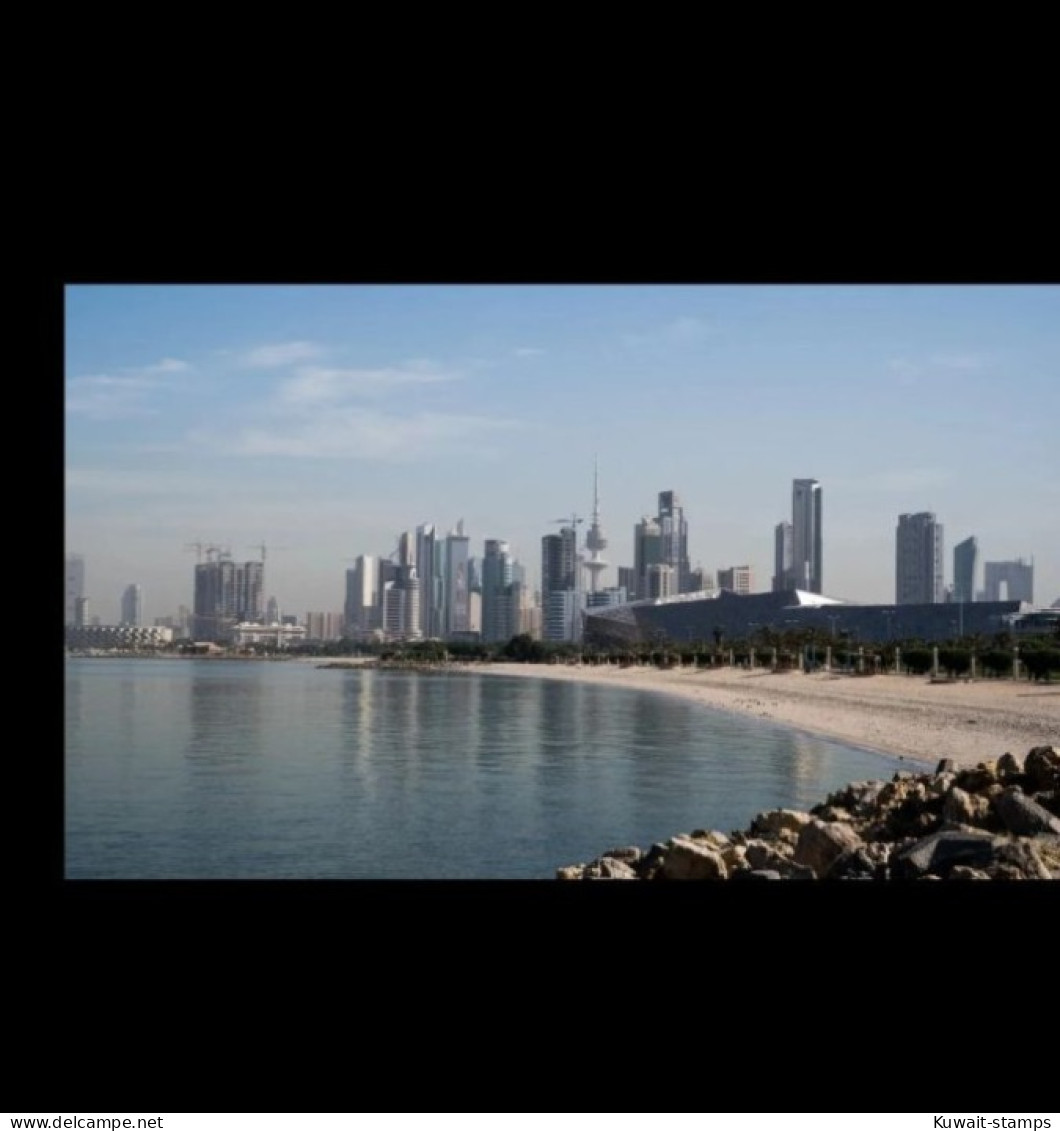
(908, 717)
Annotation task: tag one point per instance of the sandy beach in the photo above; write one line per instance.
(907, 716)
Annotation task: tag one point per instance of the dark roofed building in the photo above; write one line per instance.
(696, 617)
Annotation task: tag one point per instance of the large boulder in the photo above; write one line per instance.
(860, 798)
(762, 856)
(962, 808)
(822, 843)
(649, 866)
(1023, 815)
(1008, 768)
(773, 820)
(711, 837)
(608, 868)
(939, 853)
(1019, 860)
(571, 872)
(687, 859)
(1042, 767)
(858, 864)
(983, 775)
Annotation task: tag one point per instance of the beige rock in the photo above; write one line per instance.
(773, 820)
(963, 808)
(687, 859)
(822, 843)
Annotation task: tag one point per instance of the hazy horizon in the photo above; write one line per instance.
(325, 420)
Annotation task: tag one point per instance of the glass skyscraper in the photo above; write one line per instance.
(807, 543)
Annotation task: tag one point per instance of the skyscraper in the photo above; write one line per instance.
(918, 560)
(457, 582)
(647, 551)
(429, 554)
(783, 577)
(965, 570)
(806, 537)
(75, 586)
(402, 596)
(362, 596)
(559, 584)
(627, 581)
(501, 593)
(1017, 578)
(673, 530)
(132, 605)
(559, 561)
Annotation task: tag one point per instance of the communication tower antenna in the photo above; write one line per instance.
(594, 538)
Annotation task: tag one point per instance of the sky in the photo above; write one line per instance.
(324, 420)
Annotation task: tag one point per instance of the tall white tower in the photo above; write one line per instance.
(594, 538)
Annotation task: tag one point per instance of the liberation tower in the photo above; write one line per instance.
(594, 538)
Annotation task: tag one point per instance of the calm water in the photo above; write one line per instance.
(193, 769)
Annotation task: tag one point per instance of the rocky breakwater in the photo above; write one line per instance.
(999, 821)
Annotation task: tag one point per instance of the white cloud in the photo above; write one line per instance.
(104, 396)
(681, 331)
(325, 412)
(355, 433)
(107, 482)
(528, 351)
(908, 371)
(316, 386)
(688, 329)
(105, 381)
(280, 353)
(167, 365)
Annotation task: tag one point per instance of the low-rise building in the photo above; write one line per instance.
(117, 636)
(271, 635)
(700, 616)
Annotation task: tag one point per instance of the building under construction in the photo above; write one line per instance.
(227, 593)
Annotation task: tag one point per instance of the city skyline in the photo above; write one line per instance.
(324, 421)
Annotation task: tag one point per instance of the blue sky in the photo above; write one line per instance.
(324, 420)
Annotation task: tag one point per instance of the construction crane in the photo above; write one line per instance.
(261, 546)
(206, 547)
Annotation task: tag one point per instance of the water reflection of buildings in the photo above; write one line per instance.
(225, 713)
(806, 765)
(357, 715)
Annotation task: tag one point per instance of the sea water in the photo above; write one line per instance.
(227, 769)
